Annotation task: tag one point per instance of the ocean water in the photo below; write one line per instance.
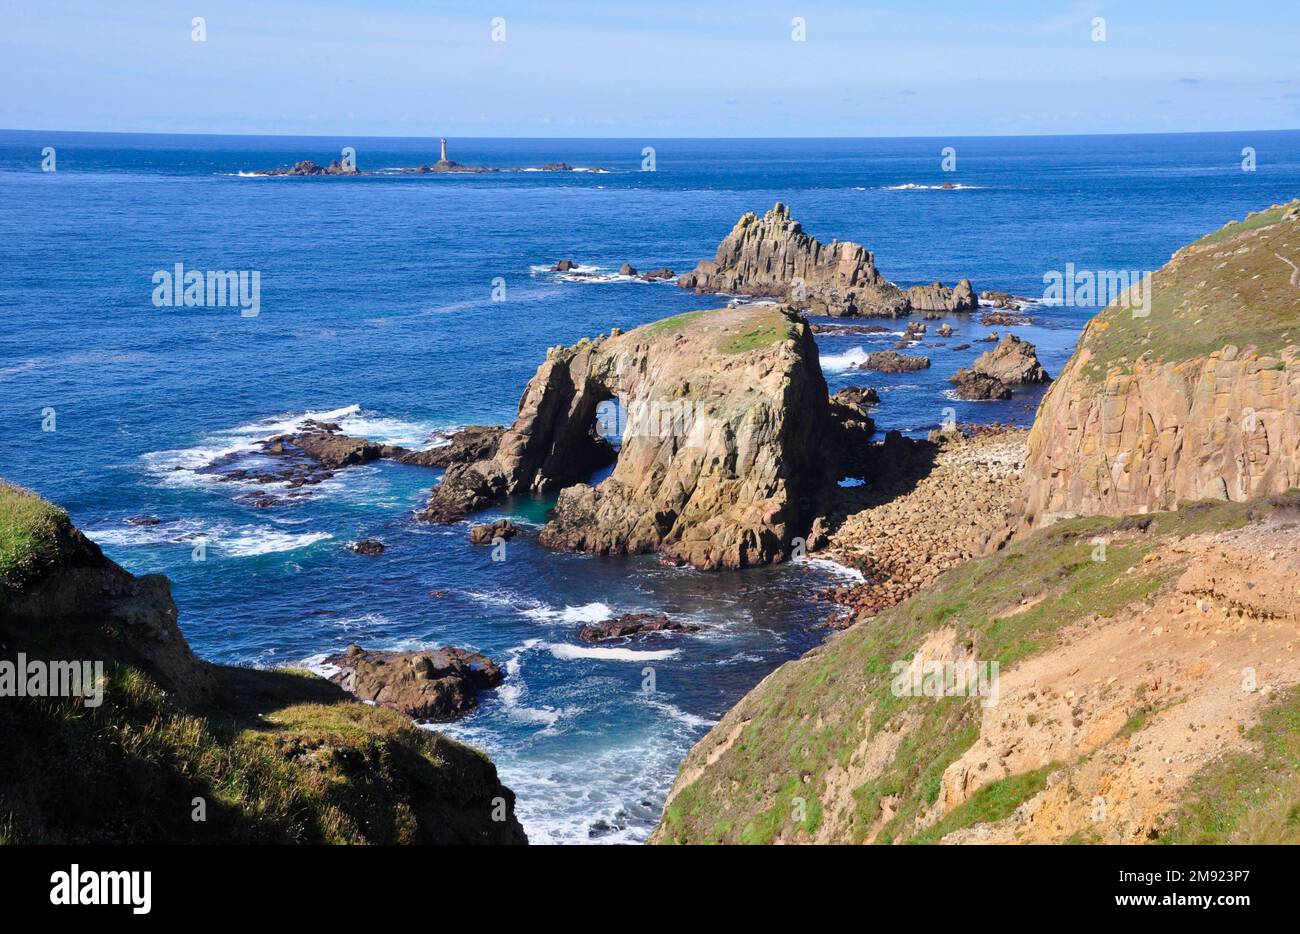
(376, 311)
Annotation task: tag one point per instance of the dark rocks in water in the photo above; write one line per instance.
(627, 269)
(889, 361)
(945, 330)
(1001, 300)
(1004, 319)
(849, 329)
(962, 347)
(630, 624)
(307, 167)
(433, 684)
(367, 546)
(988, 338)
(485, 534)
(858, 395)
(977, 387)
(557, 167)
(661, 273)
(564, 265)
(143, 520)
(471, 443)
(849, 413)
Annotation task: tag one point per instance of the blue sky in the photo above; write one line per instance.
(655, 69)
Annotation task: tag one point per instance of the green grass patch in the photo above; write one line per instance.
(1251, 796)
(994, 802)
(29, 530)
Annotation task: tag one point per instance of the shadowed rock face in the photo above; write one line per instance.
(1198, 397)
(772, 257)
(725, 441)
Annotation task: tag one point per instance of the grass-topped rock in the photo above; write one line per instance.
(259, 756)
(1199, 397)
(725, 431)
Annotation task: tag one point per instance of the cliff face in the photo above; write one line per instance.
(772, 257)
(1199, 398)
(1131, 688)
(725, 430)
(274, 756)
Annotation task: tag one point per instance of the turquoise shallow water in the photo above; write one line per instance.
(376, 311)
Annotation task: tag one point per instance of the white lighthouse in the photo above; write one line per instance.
(443, 143)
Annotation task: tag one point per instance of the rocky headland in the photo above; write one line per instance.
(1135, 583)
(1196, 396)
(278, 756)
(772, 257)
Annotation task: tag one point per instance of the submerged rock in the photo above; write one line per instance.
(630, 624)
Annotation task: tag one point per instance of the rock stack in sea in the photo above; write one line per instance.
(772, 257)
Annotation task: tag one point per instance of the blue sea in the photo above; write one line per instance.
(376, 311)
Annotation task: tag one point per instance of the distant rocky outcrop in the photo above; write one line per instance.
(772, 257)
(435, 684)
(307, 167)
(722, 459)
(1196, 393)
(486, 533)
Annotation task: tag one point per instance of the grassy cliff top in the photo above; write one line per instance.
(1237, 286)
(274, 756)
(726, 330)
(29, 530)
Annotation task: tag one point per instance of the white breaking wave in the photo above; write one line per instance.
(566, 652)
(912, 186)
(587, 613)
(234, 541)
(838, 363)
(832, 567)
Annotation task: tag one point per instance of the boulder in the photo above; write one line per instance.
(630, 624)
(939, 298)
(433, 684)
(627, 269)
(486, 534)
(563, 265)
(367, 546)
(890, 361)
(661, 273)
(1014, 362)
(975, 386)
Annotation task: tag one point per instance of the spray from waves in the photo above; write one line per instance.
(245, 541)
(587, 613)
(566, 652)
(838, 363)
(181, 467)
(831, 567)
(948, 186)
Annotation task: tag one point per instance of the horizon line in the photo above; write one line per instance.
(652, 136)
